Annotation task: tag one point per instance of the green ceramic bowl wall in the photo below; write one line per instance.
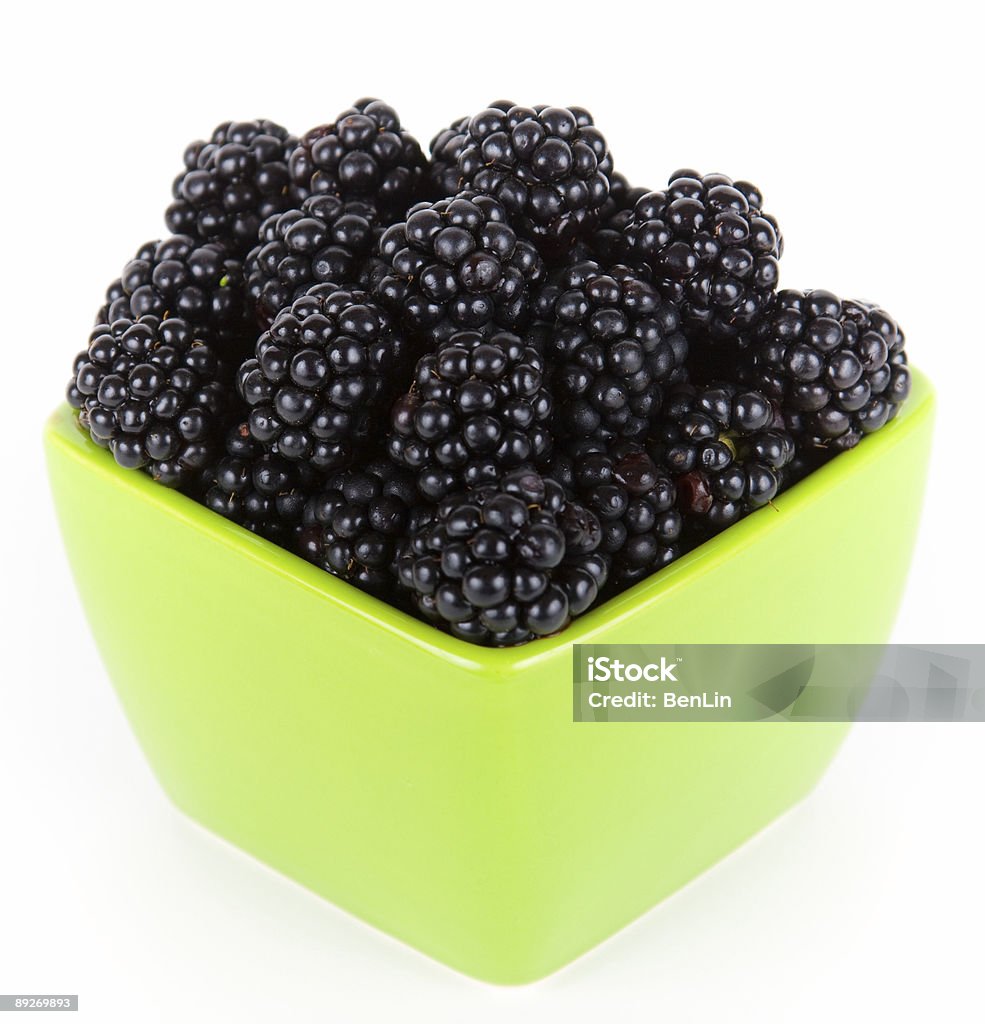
(441, 791)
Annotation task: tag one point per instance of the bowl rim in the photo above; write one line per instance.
(63, 433)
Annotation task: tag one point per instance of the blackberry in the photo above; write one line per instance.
(444, 176)
(456, 264)
(837, 367)
(322, 378)
(181, 277)
(614, 346)
(354, 524)
(622, 195)
(609, 243)
(726, 450)
(712, 250)
(116, 304)
(326, 240)
(806, 459)
(150, 391)
(477, 406)
(258, 490)
(364, 154)
(548, 166)
(634, 500)
(506, 562)
(371, 273)
(232, 183)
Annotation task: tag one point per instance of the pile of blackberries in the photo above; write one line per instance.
(492, 388)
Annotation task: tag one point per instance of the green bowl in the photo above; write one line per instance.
(442, 791)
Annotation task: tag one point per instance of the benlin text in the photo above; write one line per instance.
(697, 700)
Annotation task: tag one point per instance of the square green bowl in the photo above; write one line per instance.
(441, 791)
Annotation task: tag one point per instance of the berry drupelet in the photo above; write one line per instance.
(354, 524)
(712, 251)
(322, 378)
(181, 277)
(548, 166)
(364, 154)
(506, 562)
(325, 240)
(149, 390)
(478, 406)
(634, 500)
(837, 367)
(456, 264)
(726, 451)
(258, 490)
(614, 346)
(232, 183)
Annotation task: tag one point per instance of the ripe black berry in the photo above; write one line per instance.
(150, 391)
(633, 499)
(712, 250)
(258, 490)
(444, 176)
(837, 367)
(354, 524)
(180, 277)
(232, 183)
(622, 195)
(323, 376)
(725, 451)
(548, 166)
(364, 154)
(477, 406)
(457, 265)
(505, 562)
(326, 240)
(614, 346)
(609, 242)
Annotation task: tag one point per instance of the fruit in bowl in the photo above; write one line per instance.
(390, 437)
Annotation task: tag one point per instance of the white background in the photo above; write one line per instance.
(862, 125)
